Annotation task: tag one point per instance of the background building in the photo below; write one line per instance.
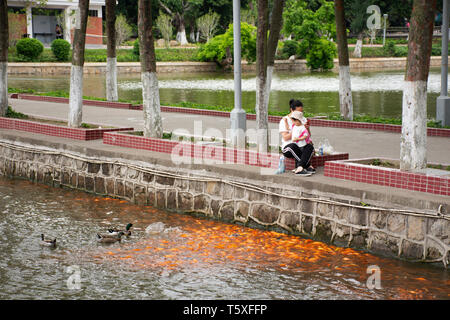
(29, 19)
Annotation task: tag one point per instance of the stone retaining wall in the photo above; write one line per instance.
(369, 64)
(284, 208)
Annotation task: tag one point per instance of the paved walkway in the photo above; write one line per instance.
(357, 142)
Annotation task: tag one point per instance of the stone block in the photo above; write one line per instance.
(440, 229)
(81, 182)
(171, 199)
(360, 238)
(323, 230)
(290, 204)
(433, 251)
(79, 165)
(160, 198)
(411, 250)
(227, 191)
(384, 244)
(151, 197)
(196, 186)
(120, 188)
(93, 167)
(201, 203)
(307, 224)
(342, 213)
(255, 196)
(341, 235)
(396, 223)
(242, 211)
(73, 179)
(129, 190)
(109, 184)
(324, 210)
(214, 188)
(227, 211)
(377, 219)
(89, 183)
(291, 220)
(307, 206)
(164, 181)
(65, 177)
(185, 201)
(100, 185)
(120, 171)
(48, 176)
(132, 174)
(358, 216)
(239, 193)
(264, 213)
(140, 196)
(147, 177)
(182, 184)
(106, 169)
(416, 228)
(215, 208)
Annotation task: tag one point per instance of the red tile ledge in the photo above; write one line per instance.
(356, 170)
(209, 153)
(55, 130)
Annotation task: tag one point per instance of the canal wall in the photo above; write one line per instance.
(395, 224)
(363, 64)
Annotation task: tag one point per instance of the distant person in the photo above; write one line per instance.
(59, 32)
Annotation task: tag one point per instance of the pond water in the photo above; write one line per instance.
(377, 94)
(195, 259)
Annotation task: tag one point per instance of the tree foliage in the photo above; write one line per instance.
(216, 48)
(314, 29)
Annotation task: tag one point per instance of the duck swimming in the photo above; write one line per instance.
(109, 238)
(48, 242)
(127, 232)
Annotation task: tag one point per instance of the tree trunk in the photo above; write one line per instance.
(4, 41)
(150, 89)
(192, 32)
(111, 63)
(76, 72)
(181, 31)
(414, 110)
(261, 77)
(276, 23)
(345, 91)
(358, 47)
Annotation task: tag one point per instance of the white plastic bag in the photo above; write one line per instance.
(325, 147)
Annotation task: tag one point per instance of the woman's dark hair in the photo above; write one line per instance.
(295, 104)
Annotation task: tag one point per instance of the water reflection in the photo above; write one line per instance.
(198, 259)
(374, 93)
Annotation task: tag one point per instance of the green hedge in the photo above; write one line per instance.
(30, 49)
(61, 49)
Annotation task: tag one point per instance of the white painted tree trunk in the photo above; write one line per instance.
(3, 87)
(413, 148)
(345, 93)
(76, 97)
(358, 48)
(111, 79)
(151, 105)
(192, 36)
(181, 37)
(261, 114)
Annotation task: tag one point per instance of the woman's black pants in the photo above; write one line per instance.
(301, 155)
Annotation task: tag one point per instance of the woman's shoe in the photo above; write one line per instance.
(304, 173)
(311, 170)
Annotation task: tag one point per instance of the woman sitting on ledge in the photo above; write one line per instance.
(290, 149)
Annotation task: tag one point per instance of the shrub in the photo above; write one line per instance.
(136, 48)
(290, 48)
(29, 48)
(321, 55)
(61, 49)
(215, 49)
